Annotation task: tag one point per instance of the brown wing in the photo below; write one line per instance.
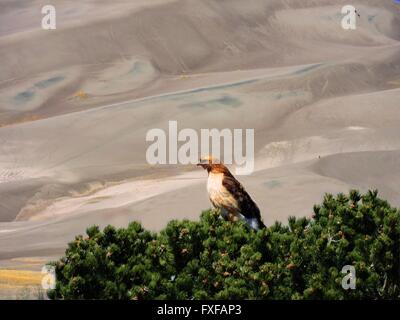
(247, 207)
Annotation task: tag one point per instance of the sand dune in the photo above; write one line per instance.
(76, 103)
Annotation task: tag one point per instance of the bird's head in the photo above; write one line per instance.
(206, 162)
(212, 165)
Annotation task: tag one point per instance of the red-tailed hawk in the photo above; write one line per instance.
(229, 196)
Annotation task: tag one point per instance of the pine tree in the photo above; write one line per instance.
(215, 259)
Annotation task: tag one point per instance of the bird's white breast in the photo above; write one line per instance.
(219, 195)
(214, 184)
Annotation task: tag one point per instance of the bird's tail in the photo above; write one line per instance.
(261, 224)
(255, 223)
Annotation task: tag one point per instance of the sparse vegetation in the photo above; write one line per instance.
(20, 277)
(81, 95)
(21, 284)
(215, 259)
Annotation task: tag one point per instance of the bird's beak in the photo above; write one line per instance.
(201, 164)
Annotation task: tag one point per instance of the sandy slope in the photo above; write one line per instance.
(76, 103)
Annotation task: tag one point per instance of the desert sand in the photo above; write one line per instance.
(76, 103)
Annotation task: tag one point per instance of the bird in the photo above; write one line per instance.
(228, 195)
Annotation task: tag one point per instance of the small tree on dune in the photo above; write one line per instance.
(215, 259)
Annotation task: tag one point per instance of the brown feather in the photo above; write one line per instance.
(227, 193)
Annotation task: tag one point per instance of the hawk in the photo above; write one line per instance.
(229, 196)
